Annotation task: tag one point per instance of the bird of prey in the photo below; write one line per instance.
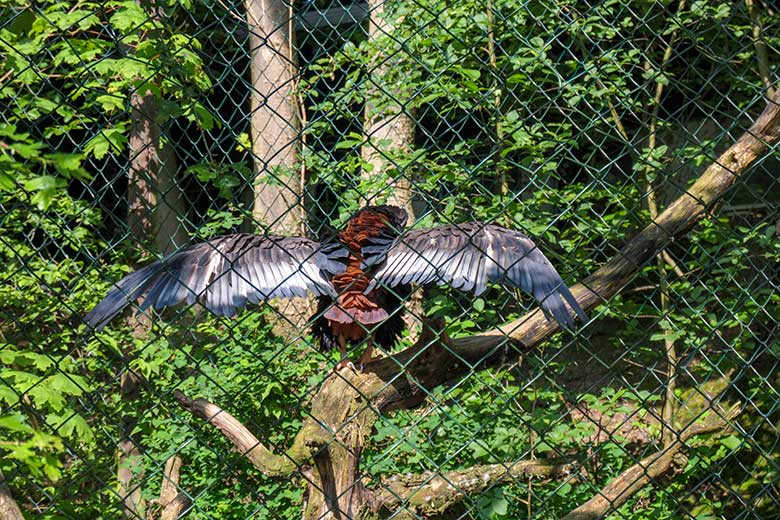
(360, 278)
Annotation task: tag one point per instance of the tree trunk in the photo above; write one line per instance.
(155, 201)
(155, 211)
(388, 126)
(275, 123)
(275, 133)
(9, 510)
(389, 131)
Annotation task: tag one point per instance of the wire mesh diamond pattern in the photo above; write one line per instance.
(634, 143)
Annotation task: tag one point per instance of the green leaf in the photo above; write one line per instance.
(492, 504)
(15, 422)
(111, 103)
(564, 489)
(130, 16)
(45, 188)
(7, 182)
(109, 139)
(72, 425)
(203, 116)
(732, 442)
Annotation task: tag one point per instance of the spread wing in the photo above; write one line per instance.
(227, 273)
(468, 256)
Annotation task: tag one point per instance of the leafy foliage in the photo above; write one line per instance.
(535, 115)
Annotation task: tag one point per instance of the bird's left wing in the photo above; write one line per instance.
(227, 273)
(468, 256)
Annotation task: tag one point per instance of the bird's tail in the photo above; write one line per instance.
(354, 306)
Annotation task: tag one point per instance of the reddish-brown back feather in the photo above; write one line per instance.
(354, 311)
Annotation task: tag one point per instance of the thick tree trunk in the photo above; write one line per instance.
(388, 125)
(275, 133)
(389, 130)
(156, 210)
(155, 202)
(275, 123)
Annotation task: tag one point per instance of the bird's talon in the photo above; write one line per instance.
(345, 363)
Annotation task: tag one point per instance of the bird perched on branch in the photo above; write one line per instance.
(360, 278)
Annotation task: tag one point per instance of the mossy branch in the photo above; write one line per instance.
(433, 493)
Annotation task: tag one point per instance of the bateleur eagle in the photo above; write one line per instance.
(359, 279)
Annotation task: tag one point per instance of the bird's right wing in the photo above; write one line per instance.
(225, 274)
(468, 256)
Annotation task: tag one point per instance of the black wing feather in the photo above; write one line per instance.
(225, 273)
(475, 254)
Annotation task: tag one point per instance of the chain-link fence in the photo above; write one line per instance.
(633, 141)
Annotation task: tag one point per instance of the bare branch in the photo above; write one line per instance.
(171, 503)
(431, 493)
(244, 441)
(645, 471)
(170, 481)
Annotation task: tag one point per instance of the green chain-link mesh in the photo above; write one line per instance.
(131, 128)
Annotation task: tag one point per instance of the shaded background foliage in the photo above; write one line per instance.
(573, 121)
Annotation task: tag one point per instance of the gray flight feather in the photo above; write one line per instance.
(468, 256)
(225, 273)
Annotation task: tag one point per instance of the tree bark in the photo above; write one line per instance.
(387, 125)
(9, 509)
(348, 404)
(155, 211)
(389, 130)
(275, 134)
(154, 200)
(275, 123)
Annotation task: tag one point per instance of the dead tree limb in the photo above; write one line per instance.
(172, 502)
(244, 442)
(431, 493)
(625, 485)
(170, 480)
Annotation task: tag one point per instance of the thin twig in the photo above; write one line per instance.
(232, 13)
(663, 257)
(758, 42)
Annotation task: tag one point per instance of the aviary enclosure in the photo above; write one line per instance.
(634, 141)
